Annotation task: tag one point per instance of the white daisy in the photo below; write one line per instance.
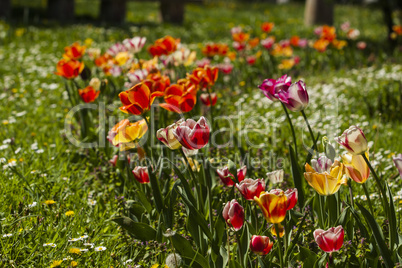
(100, 248)
(49, 245)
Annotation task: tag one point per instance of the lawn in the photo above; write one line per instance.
(60, 203)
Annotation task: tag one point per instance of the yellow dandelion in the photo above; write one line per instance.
(242, 83)
(74, 264)
(50, 202)
(56, 264)
(70, 213)
(14, 90)
(33, 134)
(5, 122)
(75, 251)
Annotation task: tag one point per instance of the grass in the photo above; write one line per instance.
(45, 166)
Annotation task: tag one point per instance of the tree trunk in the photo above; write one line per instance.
(5, 8)
(62, 10)
(319, 12)
(113, 10)
(172, 11)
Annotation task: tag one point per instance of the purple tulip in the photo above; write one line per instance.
(398, 163)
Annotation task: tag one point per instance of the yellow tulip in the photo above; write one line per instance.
(326, 183)
(356, 168)
(273, 205)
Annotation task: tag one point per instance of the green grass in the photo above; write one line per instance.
(33, 109)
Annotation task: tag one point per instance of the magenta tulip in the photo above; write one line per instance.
(233, 214)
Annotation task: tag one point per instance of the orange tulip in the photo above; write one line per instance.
(267, 26)
(321, 45)
(179, 98)
(204, 77)
(240, 37)
(211, 50)
(69, 69)
(74, 52)
(254, 42)
(397, 29)
(88, 94)
(138, 99)
(328, 33)
(339, 44)
(294, 41)
(157, 82)
(164, 46)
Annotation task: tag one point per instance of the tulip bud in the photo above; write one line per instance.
(295, 97)
(398, 163)
(260, 245)
(330, 240)
(275, 176)
(141, 174)
(353, 140)
(95, 83)
(328, 149)
(356, 168)
(250, 188)
(233, 214)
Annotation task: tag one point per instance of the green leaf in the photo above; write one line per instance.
(378, 236)
(144, 201)
(306, 256)
(186, 251)
(185, 185)
(393, 232)
(138, 230)
(297, 177)
(245, 243)
(343, 217)
(156, 191)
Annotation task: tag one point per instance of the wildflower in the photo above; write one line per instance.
(173, 260)
(49, 202)
(7, 235)
(74, 251)
(56, 263)
(69, 213)
(49, 245)
(100, 248)
(73, 264)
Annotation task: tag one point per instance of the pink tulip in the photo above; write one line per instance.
(250, 188)
(294, 97)
(271, 87)
(398, 163)
(113, 161)
(330, 240)
(233, 214)
(260, 245)
(268, 42)
(207, 101)
(191, 134)
(227, 178)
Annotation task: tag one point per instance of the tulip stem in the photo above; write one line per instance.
(351, 193)
(323, 225)
(188, 164)
(279, 244)
(211, 111)
(291, 127)
(378, 182)
(309, 129)
(368, 198)
(228, 240)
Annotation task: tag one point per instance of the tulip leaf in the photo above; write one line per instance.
(185, 185)
(156, 191)
(144, 201)
(343, 217)
(297, 177)
(138, 230)
(186, 251)
(393, 232)
(306, 256)
(378, 236)
(193, 212)
(320, 262)
(244, 244)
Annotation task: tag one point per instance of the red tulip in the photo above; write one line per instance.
(227, 178)
(207, 101)
(113, 161)
(330, 240)
(233, 214)
(260, 245)
(141, 174)
(69, 69)
(88, 94)
(193, 135)
(250, 188)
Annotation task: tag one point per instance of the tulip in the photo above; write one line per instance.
(270, 87)
(124, 133)
(275, 203)
(113, 161)
(88, 94)
(398, 163)
(206, 100)
(294, 97)
(330, 240)
(166, 135)
(356, 168)
(141, 174)
(325, 180)
(138, 99)
(74, 52)
(361, 45)
(227, 178)
(233, 214)
(164, 46)
(353, 140)
(135, 44)
(116, 49)
(180, 98)
(157, 82)
(268, 42)
(281, 230)
(250, 188)
(69, 69)
(275, 176)
(292, 197)
(193, 135)
(267, 26)
(95, 83)
(260, 245)
(204, 77)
